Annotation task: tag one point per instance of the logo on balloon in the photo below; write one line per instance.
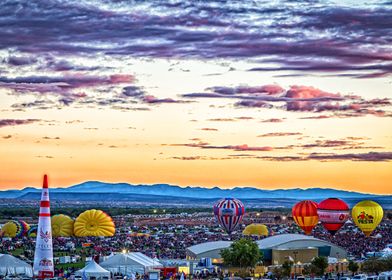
(227, 211)
(342, 217)
(364, 218)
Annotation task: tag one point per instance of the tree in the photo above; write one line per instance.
(307, 270)
(318, 265)
(286, 268)
(373, 265)
(277, 272)
(388, 263)
(353, 266)
(243, 253)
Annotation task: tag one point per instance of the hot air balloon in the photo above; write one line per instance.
(62, 225)
(229, 213)
(333, 213)
(25, 227)
(12, 229)
(305, 215)
(32, 231)
(94, 223)
(256, 229)
(367, 215)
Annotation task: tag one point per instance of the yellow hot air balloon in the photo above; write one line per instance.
(367, 215)
(62, 225)
(256, 229)
(12, 229)
(94, 223)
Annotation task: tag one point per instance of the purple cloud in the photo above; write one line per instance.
(302, 99)
(345, 41)
(14, 122)
(279, 134)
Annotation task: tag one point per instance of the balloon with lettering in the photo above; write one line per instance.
(229, 213)
(367, 215)
(305, 215)
(333, 213)
(94, 223)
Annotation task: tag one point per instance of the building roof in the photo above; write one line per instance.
(280, 239)
(266, 243)
(209, 246)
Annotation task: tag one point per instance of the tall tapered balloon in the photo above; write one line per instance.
(367, 215)
(43, 257)
(305, 215)
(229, 213)
(333, 213)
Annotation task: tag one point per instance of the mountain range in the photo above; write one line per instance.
(157, 195)
(95, 187)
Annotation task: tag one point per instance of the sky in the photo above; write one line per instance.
(269, 94)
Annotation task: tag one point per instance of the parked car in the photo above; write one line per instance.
(359, 277)
(345, 278)
(386, 275)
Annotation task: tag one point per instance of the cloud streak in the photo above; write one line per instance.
(299, 98)
(338, 39)
(16, 122)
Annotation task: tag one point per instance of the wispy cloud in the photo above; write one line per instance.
(299, 98)
(279, 134)
(367, 157)
(15, 122)
(338, 39)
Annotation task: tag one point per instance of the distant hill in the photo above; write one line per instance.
(142, 200)
(164, 194)
(94, 187)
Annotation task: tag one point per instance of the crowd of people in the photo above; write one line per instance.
(167, 237)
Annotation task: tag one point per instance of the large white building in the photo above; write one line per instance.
(276, 249)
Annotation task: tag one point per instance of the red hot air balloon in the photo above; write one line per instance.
(305, 215)
(333, 213)
(229, 213)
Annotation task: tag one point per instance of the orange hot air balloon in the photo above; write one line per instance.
(305, 215)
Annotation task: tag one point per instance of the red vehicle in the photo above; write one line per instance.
(168, 271)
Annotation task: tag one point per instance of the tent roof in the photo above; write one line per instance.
(143, 259)
(118, 260)
(135, 258)
(11, 261)
(93, 267)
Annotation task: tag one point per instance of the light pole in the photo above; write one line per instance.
(295, 262)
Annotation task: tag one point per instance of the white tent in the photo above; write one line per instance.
(93, 270)
(127, 264)
(9, 265)
(387, 252)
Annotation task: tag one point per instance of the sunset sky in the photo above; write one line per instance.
(269, 94)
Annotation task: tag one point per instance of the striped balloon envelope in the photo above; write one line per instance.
(229, 213)
(305, 215)
(333, 213)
